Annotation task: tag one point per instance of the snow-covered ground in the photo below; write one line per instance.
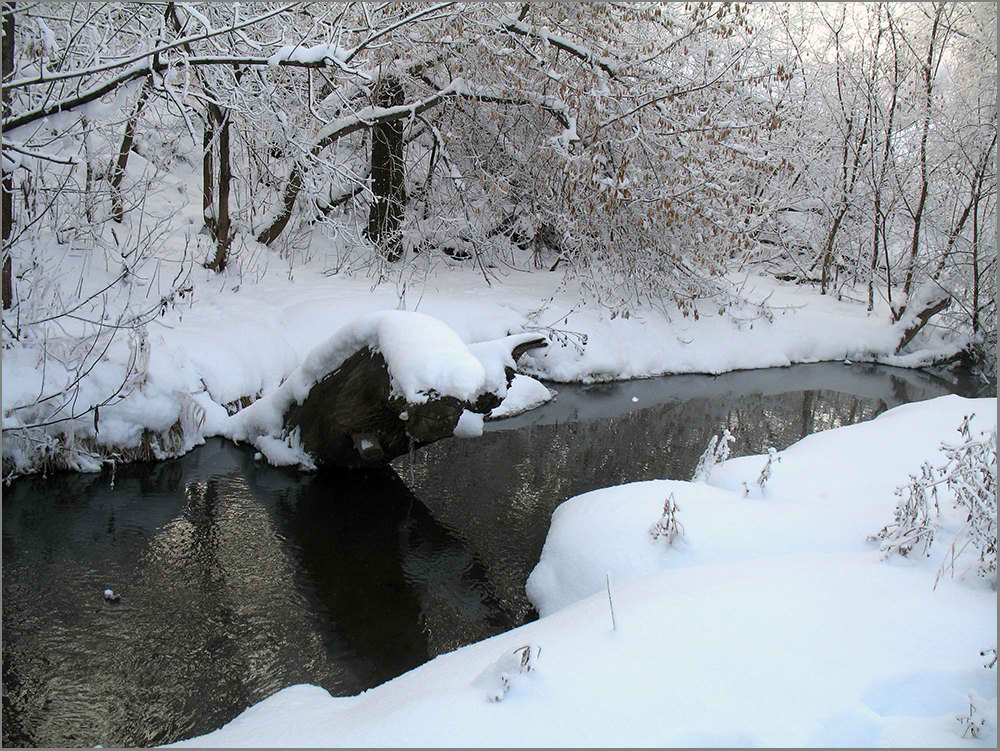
(770, 622)
(236, 338)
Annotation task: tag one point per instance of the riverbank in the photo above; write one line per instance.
(174, 383)
(769, 621)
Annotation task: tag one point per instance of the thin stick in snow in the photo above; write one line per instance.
(611, 602)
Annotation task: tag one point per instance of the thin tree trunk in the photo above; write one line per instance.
(975, 192)
(430, 178)
(208, 173)
(922, 201)
(291, 192)
(975, 267)
(877, 209)
(932, 308)
(386, 213)
(7, 189)
(828, 250)
(217, 124)
(118, 169)
(222, 233)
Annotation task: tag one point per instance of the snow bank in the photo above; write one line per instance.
(223, 347)
(827, 494)
(770, 624)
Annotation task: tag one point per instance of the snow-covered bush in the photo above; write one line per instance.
(970, 474)
(668, 525)
(716, 453)
(913, 524)
(765, 472)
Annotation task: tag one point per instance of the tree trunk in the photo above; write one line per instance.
(217, 123)
(924, 187)
(118, 169)
(877, 211)
(386, 214)
(932, 308)
(208, 173)
(291, 192)
(975, 192)
(221, 226)
(7, 189)
(975, 268)
(828, 250)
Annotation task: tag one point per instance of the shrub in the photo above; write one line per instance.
(716, 453)
(970, 474)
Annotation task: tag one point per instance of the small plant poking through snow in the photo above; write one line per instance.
(981, 717)
(970, 474)
(716, 453)
(913, 524)
(765, 473)
(668, 526)
(521, 661)
(974, 722)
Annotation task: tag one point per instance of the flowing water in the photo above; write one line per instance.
(237, 579)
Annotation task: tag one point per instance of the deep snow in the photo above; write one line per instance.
(772, 622)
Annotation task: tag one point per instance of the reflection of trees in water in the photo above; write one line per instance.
(396, 587)
(498, 492)
(193, 640)
(241, 581)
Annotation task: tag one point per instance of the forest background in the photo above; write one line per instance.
(647, 154)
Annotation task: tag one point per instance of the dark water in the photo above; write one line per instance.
(238, 579)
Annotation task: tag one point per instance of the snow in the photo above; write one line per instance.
(221, 345)
(470, 425)
(300, 54)
(242, 335)
(771, 622)
(423, 355)
(524, 394)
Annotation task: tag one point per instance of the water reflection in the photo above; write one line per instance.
(498, 492)
(235, 584)
(238, 579)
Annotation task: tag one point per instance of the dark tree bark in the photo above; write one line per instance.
(208, 173)
(221, 227)
(288, 196)
(918, 215)
(7, 189)
(217, 124)
(118, 168)
(386, 214)
(932, 308)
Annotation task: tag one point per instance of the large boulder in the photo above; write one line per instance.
(385, 384)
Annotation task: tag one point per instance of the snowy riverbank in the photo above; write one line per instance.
(771, 622)
(230, 342)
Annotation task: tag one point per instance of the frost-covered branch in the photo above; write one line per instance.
(154, 52)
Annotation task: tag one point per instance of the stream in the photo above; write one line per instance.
(237, 579)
